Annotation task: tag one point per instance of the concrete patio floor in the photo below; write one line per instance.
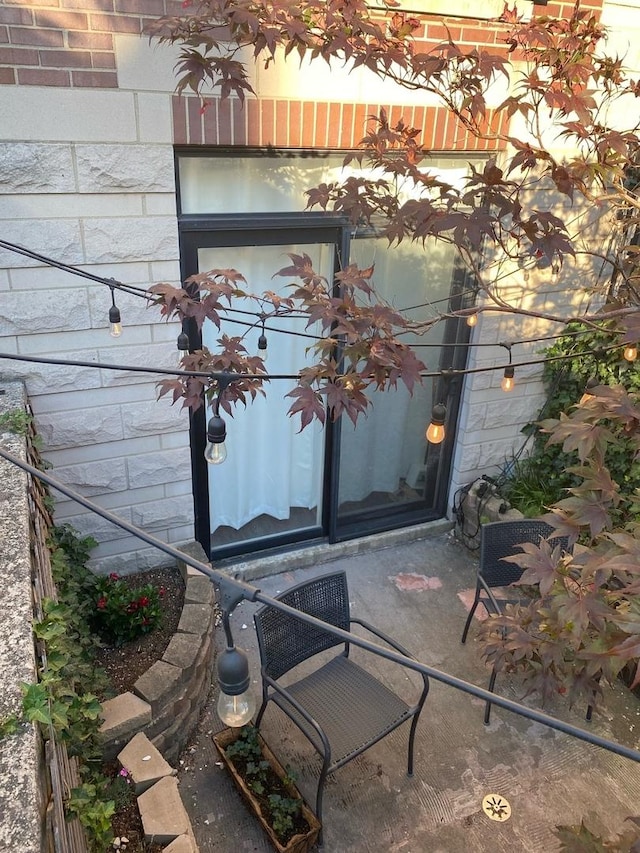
(416, 593)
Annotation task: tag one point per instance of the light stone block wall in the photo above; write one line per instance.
(490, 423)
(89, 180)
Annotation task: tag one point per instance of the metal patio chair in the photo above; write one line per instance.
(341, 708)
(498, 540)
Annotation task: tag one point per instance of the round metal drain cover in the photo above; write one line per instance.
(496, 807)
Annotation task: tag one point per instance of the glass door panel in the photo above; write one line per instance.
(272, 480)
(384, 460)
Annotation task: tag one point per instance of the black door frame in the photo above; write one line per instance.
(201, 231)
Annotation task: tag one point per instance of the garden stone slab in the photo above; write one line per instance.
(199, 590)
(195, 619)
(163, 814)
(123, 715)
(143, 761)
(159, 685)
(182, 844)
(182, 652)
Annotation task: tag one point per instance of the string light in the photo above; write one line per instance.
(183, 346)
(115, 322)
(472, 320)
(435, 430)
(262, 343)
(508, 381)
(630, 352)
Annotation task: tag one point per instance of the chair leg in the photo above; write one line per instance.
(467, 624)
(412, 735)
(487, 709)
(261, 713)
(319, 796)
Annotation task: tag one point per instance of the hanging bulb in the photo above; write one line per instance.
(183, 346)
(236, 705)
(262, 346)
(555, 269)
(472, 320)
(630, 352)
(588, 388)
(508, 381)
(115, 324)
(216, 452)
(435, 430)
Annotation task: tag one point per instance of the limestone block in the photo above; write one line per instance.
(182, 844)
(91, 524)
(154, 118)
(153, 515)
(152, 469)
(31, 168)
(64, 234)
(56, 378)
(159, 685)
(146, 355)
(84, 426)
(194, 550)
(518, 410)
(95, 478)
(131, 238)
(143, 761)
(112, 168)
(47, 310)
(152, 417)
(199, 590)
(195, 619)
(83, 115)
(123, 716)
(163, 814)
(182, 652)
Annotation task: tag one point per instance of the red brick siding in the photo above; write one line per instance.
(73, 39)
(296, 124)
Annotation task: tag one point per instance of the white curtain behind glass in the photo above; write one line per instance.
(389, 445)
(270, 466)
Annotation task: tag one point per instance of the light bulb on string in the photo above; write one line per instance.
(262, 346)
(508, 381)
(183, 346)
(216, 450)
(630, 352)
(472, 320)
(435, 431)
(115, 322)
(236, 704)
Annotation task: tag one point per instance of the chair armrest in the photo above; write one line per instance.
(390, 642)
(492, 599)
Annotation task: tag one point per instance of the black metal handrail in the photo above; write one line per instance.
(233, 591)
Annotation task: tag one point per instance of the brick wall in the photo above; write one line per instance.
(70, 42)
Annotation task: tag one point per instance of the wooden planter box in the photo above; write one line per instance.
(299, 843)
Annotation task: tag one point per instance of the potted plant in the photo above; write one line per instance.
(268, 789)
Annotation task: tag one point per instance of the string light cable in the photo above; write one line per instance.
(261, 317)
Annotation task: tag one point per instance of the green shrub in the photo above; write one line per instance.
(543, 478)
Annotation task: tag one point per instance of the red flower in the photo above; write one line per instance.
(161, 592)
(132, 607)
(114, 576)
(145, 621)
(143, 602)
(102, 603)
